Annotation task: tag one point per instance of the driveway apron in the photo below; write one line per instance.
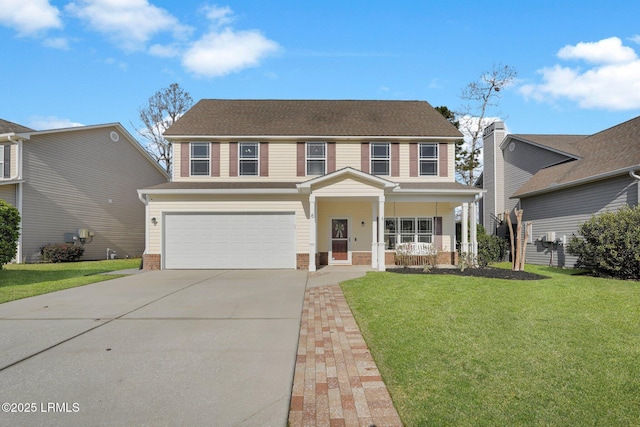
(160, 348)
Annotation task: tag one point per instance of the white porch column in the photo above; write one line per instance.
(381, 257)
(374, 232)
(464, 241)
(313, 231)
(474, 229)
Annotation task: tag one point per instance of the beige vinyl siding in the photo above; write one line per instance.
(346, 188)
(258, 203)
(8, 193)
(355, 213)
(283, 157)
(82, 179)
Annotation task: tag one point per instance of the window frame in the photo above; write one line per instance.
(322, 159)
(418, 235)
(247, 160)
(430, 159)
(199, 159)
(376, 159)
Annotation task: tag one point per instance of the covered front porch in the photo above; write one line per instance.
(359, 219)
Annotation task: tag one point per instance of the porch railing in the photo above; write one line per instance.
(412, 253)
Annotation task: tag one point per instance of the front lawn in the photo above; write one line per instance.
(26, 280)
(468, 351)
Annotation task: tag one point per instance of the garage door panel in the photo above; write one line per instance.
(227, 241)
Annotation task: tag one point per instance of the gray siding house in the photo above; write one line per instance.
(559, 181)
(77, 185)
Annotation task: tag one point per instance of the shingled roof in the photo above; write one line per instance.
(566, 144)
(216, 117)
(614, 150)
(10, 127)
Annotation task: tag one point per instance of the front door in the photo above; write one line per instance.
(340, 241)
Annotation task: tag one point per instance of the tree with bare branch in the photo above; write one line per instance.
(163, 109)
(480, 96)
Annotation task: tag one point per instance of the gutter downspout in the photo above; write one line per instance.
(637, 178)
(19, 194)
(144, 198)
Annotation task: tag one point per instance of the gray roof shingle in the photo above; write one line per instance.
(614, 149)
(216, 117)
(10, 127)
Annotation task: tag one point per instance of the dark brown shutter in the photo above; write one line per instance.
(185, 167)
(395, 159)
(301, 159)
(7, 161)
(264, 159)
(215, 159)
(443, 159)
(437, 230)
(233, 159)
(413, 159)
(364, 157)
(331, 157)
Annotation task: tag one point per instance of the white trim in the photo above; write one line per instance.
(387, 158)
(347, 171)
(511, 137)
(202, 159)
(220, 191)
(331, 261)
(306, 157)
(240, 175)
(436, 159)
(297, 138)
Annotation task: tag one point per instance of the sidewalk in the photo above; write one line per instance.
(336, 381)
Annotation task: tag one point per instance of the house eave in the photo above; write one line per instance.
(176, 138)
(222, 191)
(577, 182)
(509, 138)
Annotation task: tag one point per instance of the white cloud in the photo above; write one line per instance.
(129, 23)
(57, 43)
(51, 122)
(29, 17)
(635, 39)
(220, 53)
(607, 51)
(613, 83)
(218, 15)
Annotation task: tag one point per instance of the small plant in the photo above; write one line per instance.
(431, 259)
(61, 252)
(466, 260)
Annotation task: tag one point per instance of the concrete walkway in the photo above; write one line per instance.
(336, 381)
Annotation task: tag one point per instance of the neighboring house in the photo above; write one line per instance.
(297, 184)
(76, 185)
(559, 181)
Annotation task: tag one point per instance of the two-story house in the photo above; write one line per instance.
(76, 185)
(559, 181)
(297, 184)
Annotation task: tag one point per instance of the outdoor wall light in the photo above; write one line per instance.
(362, 223)
(154, 221)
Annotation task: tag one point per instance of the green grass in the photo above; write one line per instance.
(464, 351)
(26, 280)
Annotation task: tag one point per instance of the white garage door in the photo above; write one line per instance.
(226, 241)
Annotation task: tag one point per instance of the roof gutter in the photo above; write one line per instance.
(228, 191)
(313, 137)
(578, 182)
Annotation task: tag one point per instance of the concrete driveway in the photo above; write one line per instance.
(159, 348)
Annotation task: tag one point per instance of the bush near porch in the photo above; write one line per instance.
(466, 351)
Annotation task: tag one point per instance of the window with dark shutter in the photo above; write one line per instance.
(264, 159)
(233, 159)
(300, 158)
(364, 157)
(215, 159)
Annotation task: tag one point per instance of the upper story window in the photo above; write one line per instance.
(428, 159)
(200, 158)
(316, 158)
(380, 158)
(248, 158)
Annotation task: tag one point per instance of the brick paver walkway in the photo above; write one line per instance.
(336, 381)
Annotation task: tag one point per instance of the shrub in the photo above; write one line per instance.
(490, 249)
(9, 232)
(610, 244)
(61, 252)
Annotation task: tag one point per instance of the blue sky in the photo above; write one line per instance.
(97, 61)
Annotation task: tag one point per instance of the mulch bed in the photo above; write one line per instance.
(487, 273)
